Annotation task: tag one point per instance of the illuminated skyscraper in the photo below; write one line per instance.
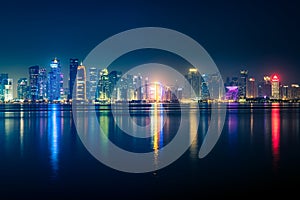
(275, 87)
(43, 84)
(194, 79)
(8, 90)
(264, 88)
(114, 89)
(3, 82)
(137, 84)
(81, 83)
(55, 78)
(251, 89)
(73, 70)
(294, 91)
(92, 86)
(146, 92)
(103, 87)
(284, 92)
(33, 82)
(22, 90)
(243, 84)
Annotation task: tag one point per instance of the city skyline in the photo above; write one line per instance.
(49, 83)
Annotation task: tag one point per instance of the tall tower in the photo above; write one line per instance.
(251, 89)
(275, 87)
(81, 83)
(33, 82)
(103, 86)
(55, 78)
(43, 84)
(8, 94)
(243, 84)
(3, 82)
(194, 79)
(92, 83)
(73, 71)
(22, 88)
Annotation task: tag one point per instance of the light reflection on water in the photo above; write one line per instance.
(267, 126)
(54, 130)
(275, 135)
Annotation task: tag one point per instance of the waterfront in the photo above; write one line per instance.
(258, 151)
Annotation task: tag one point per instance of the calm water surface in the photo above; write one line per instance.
(41, 154)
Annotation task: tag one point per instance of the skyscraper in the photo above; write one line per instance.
(194, 79)
(43, 84)
(243, 84)
(264, 88)
(22, 90)
(137, 84)
(275, 87)
(103, 86)
(3, 82)
(81, 83)
(93, 78)
(55, 78)
(251, 89)
(33, 82)
(114, 77)
(73, 71)
(8, 91)
(294, 91)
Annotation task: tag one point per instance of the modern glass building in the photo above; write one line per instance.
(275, 87)
(243, 84)
(22, 89)
(81, 83)
(55, 81)
(73, 71)
(3, 82)
(33, 82)
(43, 84)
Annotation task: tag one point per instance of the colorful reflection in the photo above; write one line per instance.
(275, 135)
(157, 123)
(233, 128)
(54, 128)
(21, 133)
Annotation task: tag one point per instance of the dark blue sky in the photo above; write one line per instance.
(261, 35)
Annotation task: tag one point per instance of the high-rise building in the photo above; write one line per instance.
(275, 87)
(243, 84)
(294, 92)
(130, 87)
(137, 85)
(103, 87)
(43, 84)
(81, 83)
(194, 79)
(33, 82)
(114, 77)
(73, 71)
(264, 88)
(251, 89)
(146, 92)
(8, 91)
(92, 83)
(284, 92)
(3, 82)
(55, 78)
(22, 90)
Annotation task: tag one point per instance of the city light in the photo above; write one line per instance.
(94, 85)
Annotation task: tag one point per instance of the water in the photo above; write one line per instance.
(41, 154)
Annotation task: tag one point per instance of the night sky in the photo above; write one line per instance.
(261, 36)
